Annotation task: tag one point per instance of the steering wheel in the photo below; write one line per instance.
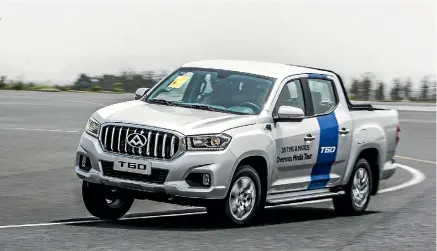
(251, 105)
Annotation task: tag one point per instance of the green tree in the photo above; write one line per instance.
(18, 85)
(2, 82)
(424, 89)
(434, 92)
(355, 88)
(366, 87)
(379, 92)
(407, 89)
(82, 83)
(396, 89)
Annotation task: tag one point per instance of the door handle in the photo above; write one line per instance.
(344, 131)
(309, 137)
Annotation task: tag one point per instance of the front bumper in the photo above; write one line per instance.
(169, 176)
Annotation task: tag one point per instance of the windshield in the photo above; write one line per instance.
(217, 90)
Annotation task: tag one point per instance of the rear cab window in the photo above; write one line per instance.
(324, 98)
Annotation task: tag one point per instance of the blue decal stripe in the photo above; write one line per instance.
(326, 156)
(316, 75)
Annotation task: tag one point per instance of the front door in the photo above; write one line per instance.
(296, 143)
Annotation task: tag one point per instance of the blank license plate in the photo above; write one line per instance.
(133, 166)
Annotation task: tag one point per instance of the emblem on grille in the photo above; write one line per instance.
(136, 140)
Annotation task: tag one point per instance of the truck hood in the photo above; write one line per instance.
(187, 121)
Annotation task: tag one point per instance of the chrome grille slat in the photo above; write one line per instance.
(173, 139)
(160, 144)
(112, 138)
(155, 151)
(133, 148)
(140, 149)
(149, 137)
(106, 136)
(163, 145)
(119, 138)
(125, 141)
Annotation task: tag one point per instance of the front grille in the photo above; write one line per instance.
(157, 175)
(114, 138)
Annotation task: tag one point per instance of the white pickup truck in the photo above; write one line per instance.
(235, 136)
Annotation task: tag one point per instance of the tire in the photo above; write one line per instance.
(222, 209)
(345, 204)
(95, 198)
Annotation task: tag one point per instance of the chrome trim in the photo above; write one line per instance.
(152, 128)
(155, 150)
(163, 145)
(106, 136)
(140, 149)
(112, 139)
(149, 136)
(119, 138)
(133, 148)
(172, 145)
(177, 136)
(125, 145)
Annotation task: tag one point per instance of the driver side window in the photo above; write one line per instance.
(291, 95)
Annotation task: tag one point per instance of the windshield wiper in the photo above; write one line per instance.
(205, 107)
(161, 101)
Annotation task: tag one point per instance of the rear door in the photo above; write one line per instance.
(335, 125)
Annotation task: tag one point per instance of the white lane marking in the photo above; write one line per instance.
(39, 129)
(51, 104)
(417, 177)
(45, 95)
(418, 160)
(418, 121)
(86, 102)
(97, 220)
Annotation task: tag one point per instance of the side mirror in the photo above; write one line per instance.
(290, 113)
(140, 93)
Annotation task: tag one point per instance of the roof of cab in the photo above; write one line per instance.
(275, 70)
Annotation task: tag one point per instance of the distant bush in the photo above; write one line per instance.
(2, 82)
(116, 87)
(18, 86)
(96, 88)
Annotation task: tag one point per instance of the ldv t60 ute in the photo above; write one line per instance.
(234, 137)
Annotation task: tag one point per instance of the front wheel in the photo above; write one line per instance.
(104, 202)
(357, 196)
(243, 199)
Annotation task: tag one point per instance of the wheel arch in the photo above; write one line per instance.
(259, 161)
(372, 156)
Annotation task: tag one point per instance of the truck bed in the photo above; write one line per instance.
(377, 126)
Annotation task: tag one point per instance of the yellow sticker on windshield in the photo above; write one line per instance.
(179, 82)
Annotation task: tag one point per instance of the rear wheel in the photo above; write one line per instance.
(357, 196)
(243, 199)
(104, 202)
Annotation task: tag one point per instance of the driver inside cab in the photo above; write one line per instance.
(235, 94)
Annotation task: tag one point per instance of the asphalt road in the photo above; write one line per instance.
(39, 134)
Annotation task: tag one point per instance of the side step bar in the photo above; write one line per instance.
(294, 197)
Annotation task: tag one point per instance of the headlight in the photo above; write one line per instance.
(208, 142)
(92, 127)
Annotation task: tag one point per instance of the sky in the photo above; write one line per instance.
(58, 40)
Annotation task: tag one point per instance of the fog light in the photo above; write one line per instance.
(84, 162)
(206, 179)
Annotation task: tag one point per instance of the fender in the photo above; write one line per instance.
(252, 140)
